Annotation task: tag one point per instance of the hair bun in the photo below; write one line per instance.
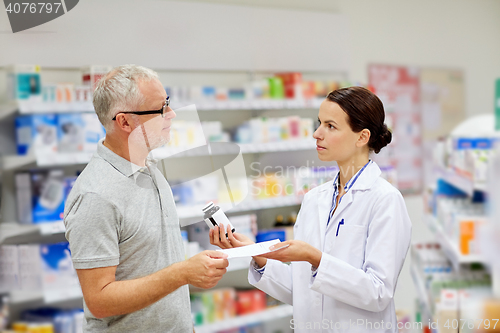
(383, 139)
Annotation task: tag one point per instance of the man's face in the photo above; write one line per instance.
(152, 130)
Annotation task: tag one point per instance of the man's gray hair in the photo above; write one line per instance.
(119, 91)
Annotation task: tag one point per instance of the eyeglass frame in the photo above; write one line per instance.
(161, 111)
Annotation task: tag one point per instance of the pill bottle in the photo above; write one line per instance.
(214, 216)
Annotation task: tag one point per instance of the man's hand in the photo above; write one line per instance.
(205, 269)
(218, 237)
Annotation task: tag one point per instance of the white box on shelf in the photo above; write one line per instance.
(93, 131)
(23, 198)
(30, 272)
(92, 74)
(70, 135)
(9, 268)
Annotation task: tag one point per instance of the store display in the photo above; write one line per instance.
(52, 133)
(456, 277)
(41, 195)
(212, 306)
(260, 130)
(447, 292)
(398, 87)
(49, 320)
(34, 267)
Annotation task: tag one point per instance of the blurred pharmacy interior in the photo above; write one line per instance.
(253, 73)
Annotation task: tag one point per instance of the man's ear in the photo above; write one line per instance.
(364, 138)
(124, 122)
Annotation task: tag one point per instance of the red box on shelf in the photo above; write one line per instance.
(293, 84)
(248, 301)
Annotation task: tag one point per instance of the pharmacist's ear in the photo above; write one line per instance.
(123, 121)
(363, 138)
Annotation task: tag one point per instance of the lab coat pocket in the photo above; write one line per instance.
(349, 245)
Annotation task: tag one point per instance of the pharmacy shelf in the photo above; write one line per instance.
(195, 211)
(24, 107)
(281, 311)
(13, 162)
(11, 232)
(460, 179)
(423, 295)
(47, 296)
(245, 148)
(449, 247)
(29, 233)
(204, 105)
(254, 104)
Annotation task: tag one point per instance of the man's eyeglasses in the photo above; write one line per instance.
(162, 111)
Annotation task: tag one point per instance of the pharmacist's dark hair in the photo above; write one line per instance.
(364, 110)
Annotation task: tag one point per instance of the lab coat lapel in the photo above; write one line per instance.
(324, 206)
(343, 204)
(366, 179)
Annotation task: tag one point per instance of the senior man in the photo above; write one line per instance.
(121, 220)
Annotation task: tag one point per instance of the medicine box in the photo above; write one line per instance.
(78, 132)
(9, 268)
(70, 134)
(292, 83)
(92, 74)
(23, 198)
(36, 133)
(23, 82)
(93, 131)
(57, 267)
(30, 267)
(48, 188)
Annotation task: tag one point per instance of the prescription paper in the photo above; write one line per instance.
(250, 250)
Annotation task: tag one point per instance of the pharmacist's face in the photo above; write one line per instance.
(335, 140)
(153, 130)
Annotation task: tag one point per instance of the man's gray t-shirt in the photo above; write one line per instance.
(119, 214)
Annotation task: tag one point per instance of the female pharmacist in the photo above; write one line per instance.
(351, 235)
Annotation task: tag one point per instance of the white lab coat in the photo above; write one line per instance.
(353, 289)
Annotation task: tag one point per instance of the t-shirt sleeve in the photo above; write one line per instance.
(92, 230)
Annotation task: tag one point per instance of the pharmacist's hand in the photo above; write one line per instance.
(294, 250)
(218, 237)
(205, 269)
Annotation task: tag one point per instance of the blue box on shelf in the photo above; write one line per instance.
(37, 132)
(268, 235)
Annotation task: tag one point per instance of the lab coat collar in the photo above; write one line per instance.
(366, 178)
(362, 180)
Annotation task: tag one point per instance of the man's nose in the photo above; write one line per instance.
(170, 113)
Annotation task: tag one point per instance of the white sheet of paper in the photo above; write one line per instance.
(250, 250)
